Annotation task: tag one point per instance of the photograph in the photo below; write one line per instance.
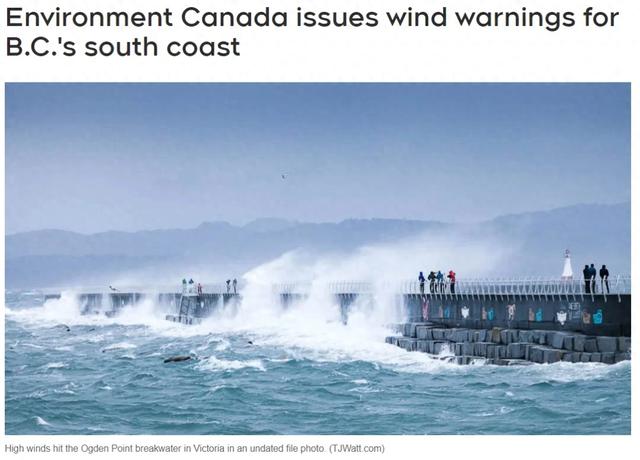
(317, 258)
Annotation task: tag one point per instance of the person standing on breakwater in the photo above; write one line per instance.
(440, 279)
(421, 279)
(452, 281)
(586, 274)
(199, 289)
(432, 281)
(184, 286)
(228, 286)
(592, 277)
(604, 278)
(235, 286)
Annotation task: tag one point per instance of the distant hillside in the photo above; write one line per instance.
(594, 233)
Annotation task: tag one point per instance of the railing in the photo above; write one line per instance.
(503, 288)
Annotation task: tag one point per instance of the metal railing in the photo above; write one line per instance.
(498, 288)
(503, 288)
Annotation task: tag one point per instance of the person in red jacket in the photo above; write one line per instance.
(452, 281)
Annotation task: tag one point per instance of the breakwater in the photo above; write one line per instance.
(495, 322)
(510, 346)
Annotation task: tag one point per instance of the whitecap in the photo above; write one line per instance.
(119, 346)
(214, 364)
(41, 421)
(360, 381)
(56, 365)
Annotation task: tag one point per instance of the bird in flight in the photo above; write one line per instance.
(284, 176)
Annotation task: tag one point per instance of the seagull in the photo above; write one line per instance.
(284, 176)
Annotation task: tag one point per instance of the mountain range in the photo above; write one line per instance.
(45, 258)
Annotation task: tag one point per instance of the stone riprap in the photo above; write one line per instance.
(509, 346)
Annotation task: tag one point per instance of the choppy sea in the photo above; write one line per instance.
(269, 371)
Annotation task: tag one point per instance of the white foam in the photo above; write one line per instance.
(119, 346)
(41, 421)
(214, 364)
(56, 365)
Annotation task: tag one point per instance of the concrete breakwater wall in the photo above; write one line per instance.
(510, 346)
(591, 315)
(598, 315)
(196, 306)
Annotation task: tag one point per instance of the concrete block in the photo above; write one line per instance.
(578, 342)
(585, 357)
(480, 335)
(408, 343)
(556, 339)
(423, 346)
(406, 330)
(501, 351)
(622, 356)
(590, 345)
(624, 344)
(467, 348)
(460, 335)
(568, 357)
(480, 349)
(458, 349)
(424, 333)
(536, 354)
(439, 347)
(552, 355)
(495, 335)
(389, 340)
(608, 357)
(568, 343)
(540, 337)
(438, 334)
(516, 350)
(607, 344)
(596, 357)
(525, 336)
(508, 336)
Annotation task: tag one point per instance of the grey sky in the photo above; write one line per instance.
(93, 157)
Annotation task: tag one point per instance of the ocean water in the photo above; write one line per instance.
(304, 372)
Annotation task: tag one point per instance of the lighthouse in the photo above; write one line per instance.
(567, 272)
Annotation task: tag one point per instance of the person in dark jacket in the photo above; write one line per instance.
(440, 279)
(586, 274)
(421, 280)
(432, 281)
(592, 274)
(604, 278)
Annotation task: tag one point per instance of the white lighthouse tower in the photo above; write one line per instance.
(567, 272)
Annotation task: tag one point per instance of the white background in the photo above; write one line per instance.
(293, 54)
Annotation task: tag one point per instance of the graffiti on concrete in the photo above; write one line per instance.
(586, 317)
(465, 312)
(575, 311)
(447, 312)
(539, 315)
(440, 312)
(484, 313)
(597, 316)
(561, 316)
(425, 308)
(532, 316)
(511, 312)
(491, 314)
